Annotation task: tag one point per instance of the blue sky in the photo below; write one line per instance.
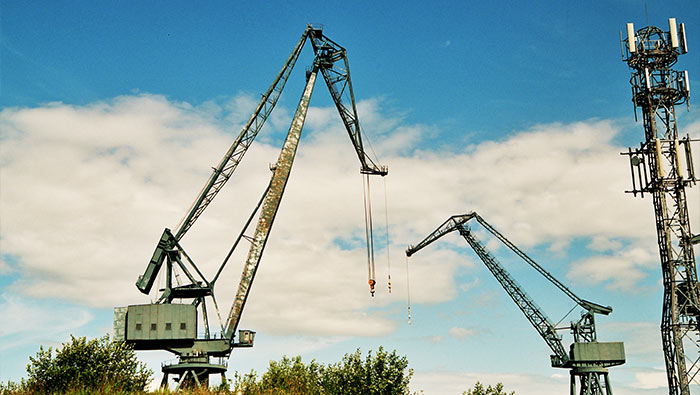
(113, 113)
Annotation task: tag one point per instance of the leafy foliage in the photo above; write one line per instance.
(83, 366)
(381, 373)
(480, 390)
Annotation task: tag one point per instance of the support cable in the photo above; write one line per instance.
(408, 293)
(386, 218)
(369, 233)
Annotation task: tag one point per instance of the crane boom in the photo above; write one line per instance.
(222, 172)
(270, 205)
(539, 320)
(250, 130)
(456, 221)
(532, 312)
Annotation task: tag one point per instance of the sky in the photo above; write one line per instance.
(112, 115)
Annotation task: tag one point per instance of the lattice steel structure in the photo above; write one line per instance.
(588, 359)
(662, 166)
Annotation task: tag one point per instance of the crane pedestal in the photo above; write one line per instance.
(594, 380)
(192, 372)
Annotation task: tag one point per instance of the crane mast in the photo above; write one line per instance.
(173, 326)
(587, 358)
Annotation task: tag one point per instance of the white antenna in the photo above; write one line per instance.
(673, 32)
(687, 82)
(684, 43)
(646, 78)
(631, 39)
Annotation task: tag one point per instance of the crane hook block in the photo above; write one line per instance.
(371, 283)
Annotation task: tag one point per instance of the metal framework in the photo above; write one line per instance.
(587, 358)
(663, 167)
(197, 356)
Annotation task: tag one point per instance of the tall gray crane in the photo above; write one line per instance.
(165, 325)
(587, 358)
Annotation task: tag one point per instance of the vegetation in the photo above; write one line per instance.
(381, 373)
(480, 390)
(101, 366)
(83, 367)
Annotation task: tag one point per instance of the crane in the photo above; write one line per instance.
(165, 325)
(587, 358)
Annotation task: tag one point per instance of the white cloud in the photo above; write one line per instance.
(599, 243)
(623, 270)
(87, 191)
(461, 333)
(651, 379)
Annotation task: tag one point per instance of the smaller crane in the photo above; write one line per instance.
(587, 358)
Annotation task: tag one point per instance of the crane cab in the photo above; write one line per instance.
(154, 326)
(603, 354)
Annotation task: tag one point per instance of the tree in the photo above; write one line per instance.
(381, 373)
(97, 365)
(480, 390)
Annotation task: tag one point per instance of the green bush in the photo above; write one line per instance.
(381, 373)
(480, 390)
(87, 366)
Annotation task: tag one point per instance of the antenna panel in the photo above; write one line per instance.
(673, 32)
(631, 38)
(684, 43)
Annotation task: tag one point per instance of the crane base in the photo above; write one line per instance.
(192, 373)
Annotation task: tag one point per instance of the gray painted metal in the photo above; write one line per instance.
(598, 353)
(161, 322)
(333, 62)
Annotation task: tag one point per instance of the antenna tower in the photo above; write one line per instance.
(662, 166)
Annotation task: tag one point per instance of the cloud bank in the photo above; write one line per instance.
(87, 191)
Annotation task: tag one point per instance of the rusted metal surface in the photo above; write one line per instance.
(269, 209)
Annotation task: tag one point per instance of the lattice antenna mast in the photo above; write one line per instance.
(662, 166)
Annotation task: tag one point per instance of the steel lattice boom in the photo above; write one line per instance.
(662, 166)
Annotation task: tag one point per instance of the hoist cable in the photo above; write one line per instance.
(371, 228)
(368, 233)
(386, 218)
(408, 293)
(565, 315)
